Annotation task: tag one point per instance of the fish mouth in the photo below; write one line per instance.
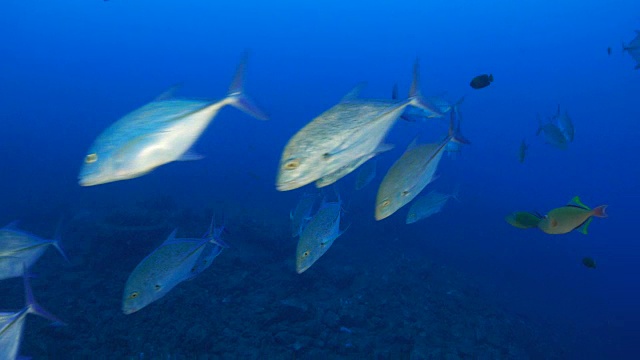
(128, 311)
(290, 185)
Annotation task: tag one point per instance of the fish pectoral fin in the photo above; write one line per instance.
(584, 228)
(190, 155)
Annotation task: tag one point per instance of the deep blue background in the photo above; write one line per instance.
(68, 69)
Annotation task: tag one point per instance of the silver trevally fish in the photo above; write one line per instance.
(160, 132)
(319, 234)
(12, 324)
(427, 205)
(348, 168)
(19, 247)
(552, 134)
(302, 213)
(175, 261)
(411, 173)
(564, 123)
(366, 174)
(344, 135)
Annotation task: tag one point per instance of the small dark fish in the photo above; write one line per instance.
(481, 81)
(609, 50)
(589, 262)
(523, 151)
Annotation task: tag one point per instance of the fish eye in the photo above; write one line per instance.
(133, 295)
(385, 203)
(157, 287)
(292, 164)
(305, 254)
(405, 193)
(91, 158)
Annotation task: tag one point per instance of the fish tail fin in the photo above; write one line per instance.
(56, 242)
(454, 131)
(238, 98)
(34, 307)
(415, 98)
(600, 211)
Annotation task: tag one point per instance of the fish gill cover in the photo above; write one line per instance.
(460, 283)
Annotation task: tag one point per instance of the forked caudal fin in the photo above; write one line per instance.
(416, 99)
(237, 96)
(33, 306)
(600, 211)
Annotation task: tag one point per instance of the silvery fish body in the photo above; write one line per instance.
(342, 138)
(11, 328)
(167, 266)
(19, 247)
(407, 177)
(302, 213)
(156, 134)
(318, 236)
(427, 205)
(348, 133)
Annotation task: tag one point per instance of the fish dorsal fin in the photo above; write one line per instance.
(12, 225)
(576, 202)
(168, 94)
(413, 144)
(172, 237)
(354, 93)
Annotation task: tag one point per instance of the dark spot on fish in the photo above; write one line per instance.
(609, 50)
(405, 193)
(481, 81)
(157, 287)
(326, 156)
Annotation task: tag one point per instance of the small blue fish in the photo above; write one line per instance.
(157, 133)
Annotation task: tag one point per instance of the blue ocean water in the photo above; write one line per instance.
(461, 284)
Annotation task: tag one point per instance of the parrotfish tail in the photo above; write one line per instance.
(600, 211)
(33, 306)
(237, 96)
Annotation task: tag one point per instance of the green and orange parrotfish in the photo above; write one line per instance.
(573, 216)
